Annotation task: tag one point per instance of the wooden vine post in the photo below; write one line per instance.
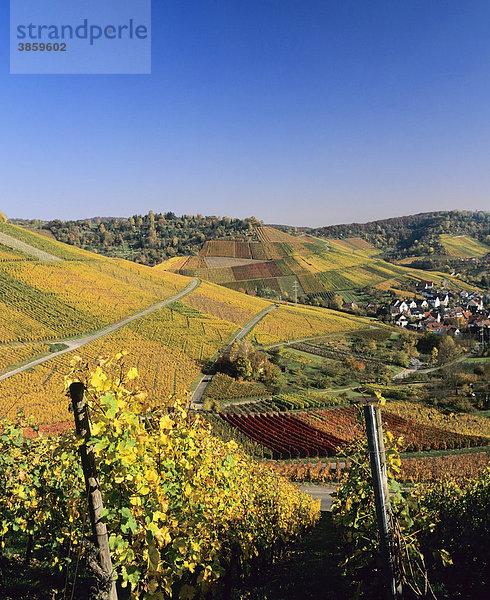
(377, 460)
(99, 530)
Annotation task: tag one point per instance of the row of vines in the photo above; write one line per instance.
(182, 508)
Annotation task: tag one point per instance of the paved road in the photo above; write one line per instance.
(324, 492)
(407, 372)
(196, 398)
(249, 326)
(74, 344)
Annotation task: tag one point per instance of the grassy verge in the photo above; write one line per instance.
(433, 453)
(24, 362)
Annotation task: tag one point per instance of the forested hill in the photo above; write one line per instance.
(148, 239)
(155, 237)
(414, 235)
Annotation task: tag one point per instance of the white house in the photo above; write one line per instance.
(401, 321)
(435, 302)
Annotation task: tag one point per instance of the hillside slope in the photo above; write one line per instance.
(423, 234)
(278, 265)
(45, 303)
(77, 292)
(146, 239)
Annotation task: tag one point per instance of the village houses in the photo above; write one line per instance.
(442, 311)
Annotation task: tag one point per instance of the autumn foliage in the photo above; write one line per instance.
(181, 507)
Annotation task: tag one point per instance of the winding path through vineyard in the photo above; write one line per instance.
(408, 372)
(196, 397)
(82, 341)
(322, 492)
(11, 242)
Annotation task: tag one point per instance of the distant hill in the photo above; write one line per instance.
(155, 237)
(146, 239)
(280, 262)
(417, 235)
(277, 265)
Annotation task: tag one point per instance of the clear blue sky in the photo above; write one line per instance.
(300, 112)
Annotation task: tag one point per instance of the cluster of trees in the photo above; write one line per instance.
(245, 363)
(352, 369)
(147, 239)
(363, 360)
(415, 235)
(441, 348)
(329, 373)
(398, 351)
(462, 388)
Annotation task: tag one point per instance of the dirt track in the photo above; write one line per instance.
(16, 244)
